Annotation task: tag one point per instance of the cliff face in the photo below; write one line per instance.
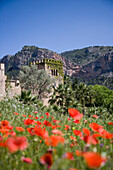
(102, 66)
(92, 62)
(87, 63)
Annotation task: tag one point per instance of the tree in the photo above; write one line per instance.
(84, 94)
(38, 81)
(63, 96)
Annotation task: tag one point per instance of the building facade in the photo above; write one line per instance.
(8, 88)
(54, 68)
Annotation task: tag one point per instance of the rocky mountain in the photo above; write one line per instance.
(28, 54)
(91, 63)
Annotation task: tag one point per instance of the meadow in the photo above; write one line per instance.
(35, 137)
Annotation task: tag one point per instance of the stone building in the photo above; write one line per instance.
(2, 81)
(54, 68)
(13, 85)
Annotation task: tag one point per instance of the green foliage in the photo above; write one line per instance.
(26, 97)
(63, 97)
(104, 97)
(86, 55)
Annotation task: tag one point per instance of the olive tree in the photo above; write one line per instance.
(38, 81)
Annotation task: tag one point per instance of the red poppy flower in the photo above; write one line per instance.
(68, 155)
(58, 132)
(90, 139)
(85, 121)
(47, 160)
(94, 160)
(36, 117)
(39, 123)
(4, 123)
(69, 119)
(106, 135)
(20, 129)
(41, 132)
(31, 116)
(27, 160)
(16, 113)
(66, 127)
(110, 123)
(77, 132)
(4, 131)
(41, 117)
(86, 131)
(56, 121)
(95, 127)
(31, 131)
(16, 143)
(28, 121)
(47, 114)
(75, 114)
(24, 115)
(76, 121)
(47, 123)
(35, 112)
(95, 116)
(2, 144)
(54, 140)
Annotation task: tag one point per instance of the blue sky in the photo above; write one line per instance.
(58, 25)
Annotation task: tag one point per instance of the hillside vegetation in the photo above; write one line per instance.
(86, 55)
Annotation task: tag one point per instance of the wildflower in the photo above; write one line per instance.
(41, 132)
(88, 138)
(4, 123)
(31, 131)
(95, 127)
(93, 160)
(68, 155)
(54, 140)
(75, 114)
(110, 123)
(16, 113)
(85, 121)
(27, 160)
(47, 123)
(95, 116)
(20, 129)
(58, 132)
(28, 121)
(24, 115)
(77, 132)
(66, 127)
(47, 114)
(31, 116)
(76, 121)
(16, 143)
(35, 112)
(47, 160)
(39, 123)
